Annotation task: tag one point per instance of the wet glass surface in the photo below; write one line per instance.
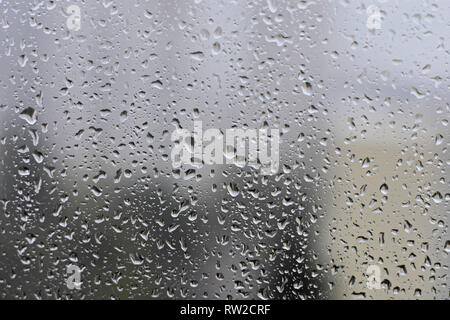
(95, 203)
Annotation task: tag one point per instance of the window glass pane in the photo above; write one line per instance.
(224, 149)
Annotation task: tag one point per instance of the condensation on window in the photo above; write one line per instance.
(224, 149)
